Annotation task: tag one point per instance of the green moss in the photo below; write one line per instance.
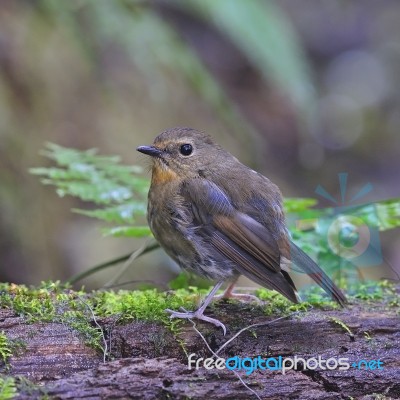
(340, 323)
(22, 386)
(374, 290)
(8, 389)
(5, 348)
(278, 304)
(316, 298)
(54, 302)
(275, 303)
(17, 347)
(148, 305)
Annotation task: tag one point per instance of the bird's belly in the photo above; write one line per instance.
(190, 250)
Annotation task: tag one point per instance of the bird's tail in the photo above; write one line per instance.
(311, 268)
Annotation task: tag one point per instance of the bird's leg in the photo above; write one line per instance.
(199, 313)
(228, 294)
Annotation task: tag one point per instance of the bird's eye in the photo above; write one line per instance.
(186, 149)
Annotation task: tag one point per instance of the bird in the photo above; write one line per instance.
(220, 219)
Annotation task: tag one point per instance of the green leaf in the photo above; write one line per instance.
(295, 205)
(388, 213)
(311, 230)
(118, 192)
(127, 231)
(121, 213)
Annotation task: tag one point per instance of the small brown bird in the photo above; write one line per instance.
(220, 219)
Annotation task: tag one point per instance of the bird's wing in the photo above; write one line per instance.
(259, 208)
(238, 237)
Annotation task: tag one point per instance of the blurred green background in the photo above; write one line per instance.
(301, 90)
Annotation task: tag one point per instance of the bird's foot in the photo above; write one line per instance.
(198, 314)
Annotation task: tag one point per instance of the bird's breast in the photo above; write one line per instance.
(162, 175)
(162, 211)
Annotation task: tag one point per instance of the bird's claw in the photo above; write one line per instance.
(197, 315)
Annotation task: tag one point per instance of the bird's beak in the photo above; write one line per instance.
(150, 151)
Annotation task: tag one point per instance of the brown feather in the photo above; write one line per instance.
(252, 268)
(252, 237)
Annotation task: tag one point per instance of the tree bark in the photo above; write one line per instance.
(150, 362)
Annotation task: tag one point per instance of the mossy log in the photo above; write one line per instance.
(148, 361)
